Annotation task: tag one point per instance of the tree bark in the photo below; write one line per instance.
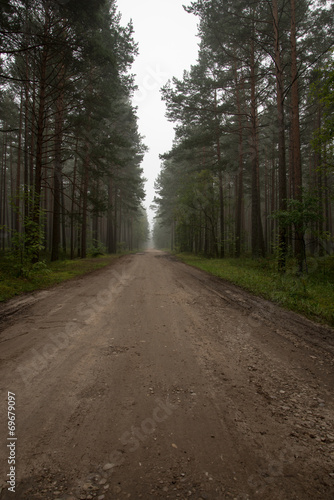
(282, 187)
(57, 186)
(18, 171)
(257, 231)
(85, 203)
(295, 135)
(73, 199)
(40, 129)
(221, 188)
(240, 187)
(110, 226)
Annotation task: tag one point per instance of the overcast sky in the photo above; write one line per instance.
(168, 45)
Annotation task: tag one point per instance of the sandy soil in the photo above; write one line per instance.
(151, 379)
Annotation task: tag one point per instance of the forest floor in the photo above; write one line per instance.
(152, 379)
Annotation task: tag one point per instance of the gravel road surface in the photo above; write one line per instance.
(150, 379)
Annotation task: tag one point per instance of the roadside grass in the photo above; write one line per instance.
(50, 274)
(311, 294)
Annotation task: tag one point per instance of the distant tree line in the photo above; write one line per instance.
(70, 175)
(251, 168)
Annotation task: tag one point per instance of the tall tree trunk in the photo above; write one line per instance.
(40, 130)
(26, 141)
(95, 221)
(320, 193)
(266, 206)
(327, 204)
(26, 121)
(221, 188)
(32, 141)
(11, 223)
(240, 188)
(4, 191)
(80, 210)
(57, 185)
(85, 202)
(63, 217)
(273, 205)
(73, 200)
(295, 132)
(257, 231)
(110, 220)
(18, 171)
(282, 186)
(2, 186)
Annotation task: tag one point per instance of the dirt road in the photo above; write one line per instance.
(151, 379)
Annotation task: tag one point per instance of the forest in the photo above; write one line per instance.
(71, 179)
(201, 368)
(251, 167)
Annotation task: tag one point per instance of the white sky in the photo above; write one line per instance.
(168, 45)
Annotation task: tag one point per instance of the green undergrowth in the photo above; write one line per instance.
(311, 294)
(46, 274)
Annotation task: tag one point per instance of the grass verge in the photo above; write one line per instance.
(53, 273)
(311, 295)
